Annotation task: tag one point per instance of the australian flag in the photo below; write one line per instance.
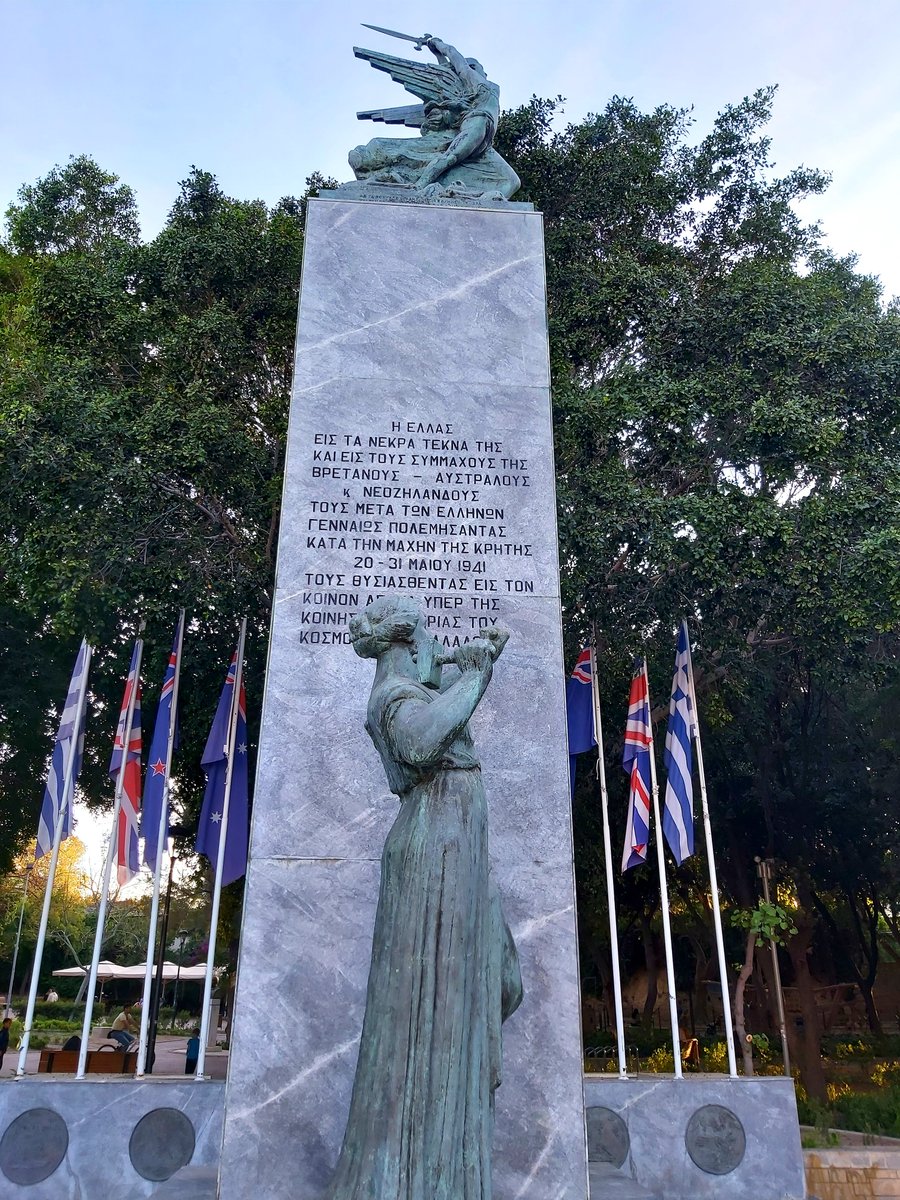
(636, 762)
(156, 782)
(126, 832)
(678, 808)
(215, 764)
(69, 741)
(580, 711)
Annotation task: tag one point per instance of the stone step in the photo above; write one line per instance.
(608, 1183)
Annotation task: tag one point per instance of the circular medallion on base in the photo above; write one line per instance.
(33, 1146)
(715, 1139)
(607, 1136)
(161, 1143)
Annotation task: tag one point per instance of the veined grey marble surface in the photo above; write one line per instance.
(101, 1116)
(658, 1115)
(398, 195)
(420, 462)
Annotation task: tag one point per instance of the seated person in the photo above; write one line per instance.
(122, 1029)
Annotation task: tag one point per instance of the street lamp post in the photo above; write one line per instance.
(181, 940)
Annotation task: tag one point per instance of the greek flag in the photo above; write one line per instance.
(678, 806)
(68, 742)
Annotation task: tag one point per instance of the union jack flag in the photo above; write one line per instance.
(126, 833)
(636, 763)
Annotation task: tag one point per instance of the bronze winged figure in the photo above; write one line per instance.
(457, 120)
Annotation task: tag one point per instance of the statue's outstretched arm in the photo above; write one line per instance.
(453, 57)
(421, 731)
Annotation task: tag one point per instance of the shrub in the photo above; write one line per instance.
(886, 1074)
(660, 1061)
(858, 1049)
(876, 1113)
(715, 1057)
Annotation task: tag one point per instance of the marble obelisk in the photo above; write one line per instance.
(420, 460)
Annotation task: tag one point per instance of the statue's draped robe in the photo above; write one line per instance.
(444, 975)
(402, 160)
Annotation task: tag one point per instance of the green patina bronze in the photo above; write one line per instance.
(454, 158)
(444, 973)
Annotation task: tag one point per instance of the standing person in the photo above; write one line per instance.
(4, 1038)
(444, 973)
(52, 996)
(123, 1028)
(193, 1052)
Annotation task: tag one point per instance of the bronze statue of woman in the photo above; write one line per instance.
(444, 972)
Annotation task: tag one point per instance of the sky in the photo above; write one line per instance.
(264, 92)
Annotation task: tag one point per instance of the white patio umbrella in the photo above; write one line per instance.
(169, 971)
(105, 970)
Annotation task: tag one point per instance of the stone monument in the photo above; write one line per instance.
(419, 462)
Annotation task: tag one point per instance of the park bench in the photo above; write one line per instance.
(98, 1062)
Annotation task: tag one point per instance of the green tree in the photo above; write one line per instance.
(78, 207)
(144, 403)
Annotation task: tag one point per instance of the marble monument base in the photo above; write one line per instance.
(693, 1138)
(81, 1139)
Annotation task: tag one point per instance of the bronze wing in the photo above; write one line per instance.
(408, 114)
(434, 83)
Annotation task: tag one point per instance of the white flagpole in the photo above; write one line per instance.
(12, 974)
(220, 855)
(65, 801)
(610, 890)
(710, 854)
(160, 839)
(107, 870)
(664, 895)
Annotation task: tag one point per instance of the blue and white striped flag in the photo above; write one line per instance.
(678, 806)
(68, 741)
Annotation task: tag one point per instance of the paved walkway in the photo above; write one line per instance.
(169, 1061)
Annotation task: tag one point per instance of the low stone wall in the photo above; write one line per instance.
(68, 1139)
(699, 1137)
(853, 1173)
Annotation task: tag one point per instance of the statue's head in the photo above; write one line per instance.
(476, 66)
(386, 622)
(399, 621)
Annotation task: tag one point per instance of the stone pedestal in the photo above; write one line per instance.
(76, 1139)
(699, 1137)
(420, 461)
